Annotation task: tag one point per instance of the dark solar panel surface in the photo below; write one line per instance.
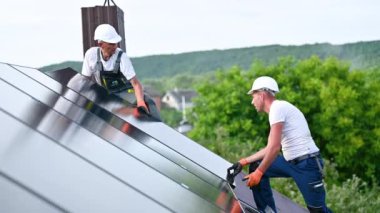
(59, 175)
(70, 144)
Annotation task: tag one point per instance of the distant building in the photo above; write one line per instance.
(173, 98)
(180, 100)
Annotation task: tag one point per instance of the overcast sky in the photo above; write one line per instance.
(40, 32)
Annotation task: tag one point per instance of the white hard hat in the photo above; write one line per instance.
(262, 83)
(106, 33)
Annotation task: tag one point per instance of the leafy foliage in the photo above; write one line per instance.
(221, 117)
(171, 116)
(342, 108)
(354, 195)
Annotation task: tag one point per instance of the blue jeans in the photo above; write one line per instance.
(305, 173)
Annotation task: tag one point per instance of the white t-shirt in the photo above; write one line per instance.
(90, 59)
(296, 139)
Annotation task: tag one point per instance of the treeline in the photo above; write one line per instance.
(360, 55)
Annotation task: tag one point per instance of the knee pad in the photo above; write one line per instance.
(315, 209)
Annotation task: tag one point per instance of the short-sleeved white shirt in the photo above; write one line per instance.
(296, 139)
(90, 59)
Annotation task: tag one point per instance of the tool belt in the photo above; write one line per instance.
(114, 80)
(303, 157)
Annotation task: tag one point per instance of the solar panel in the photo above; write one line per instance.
(85, 131)
(64, 178)
(13, 194)
(75, 137)
(117, 122)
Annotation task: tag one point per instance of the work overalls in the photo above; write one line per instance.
(116, 83)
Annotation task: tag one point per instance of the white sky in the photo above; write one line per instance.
(41, 32)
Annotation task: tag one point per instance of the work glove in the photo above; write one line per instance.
(254, 178)
(136, 113)
(141, 106)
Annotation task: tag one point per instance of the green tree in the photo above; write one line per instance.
(342, 108)
(222, 118)
(170, 116)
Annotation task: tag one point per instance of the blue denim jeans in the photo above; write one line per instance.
(305, 173)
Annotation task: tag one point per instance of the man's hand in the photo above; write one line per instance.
(254, 178)
(142, 104)
(243, 161)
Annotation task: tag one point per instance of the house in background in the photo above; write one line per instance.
(180, 100)
(174, 98)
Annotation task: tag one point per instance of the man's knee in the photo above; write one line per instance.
(315, 209)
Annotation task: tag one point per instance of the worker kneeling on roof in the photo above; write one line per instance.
(112, 69)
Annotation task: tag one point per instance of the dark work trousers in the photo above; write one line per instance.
(305, 173)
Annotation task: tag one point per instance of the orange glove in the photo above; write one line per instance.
(243, 161)
(136, 113)
(254, 178)
(142, 104)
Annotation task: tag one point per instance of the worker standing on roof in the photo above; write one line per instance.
(112, 69)
(301, 159)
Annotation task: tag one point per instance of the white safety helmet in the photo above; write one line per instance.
(264, 83)
(106, 33)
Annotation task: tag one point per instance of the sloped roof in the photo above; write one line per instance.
(76, 150)
(178, 93)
